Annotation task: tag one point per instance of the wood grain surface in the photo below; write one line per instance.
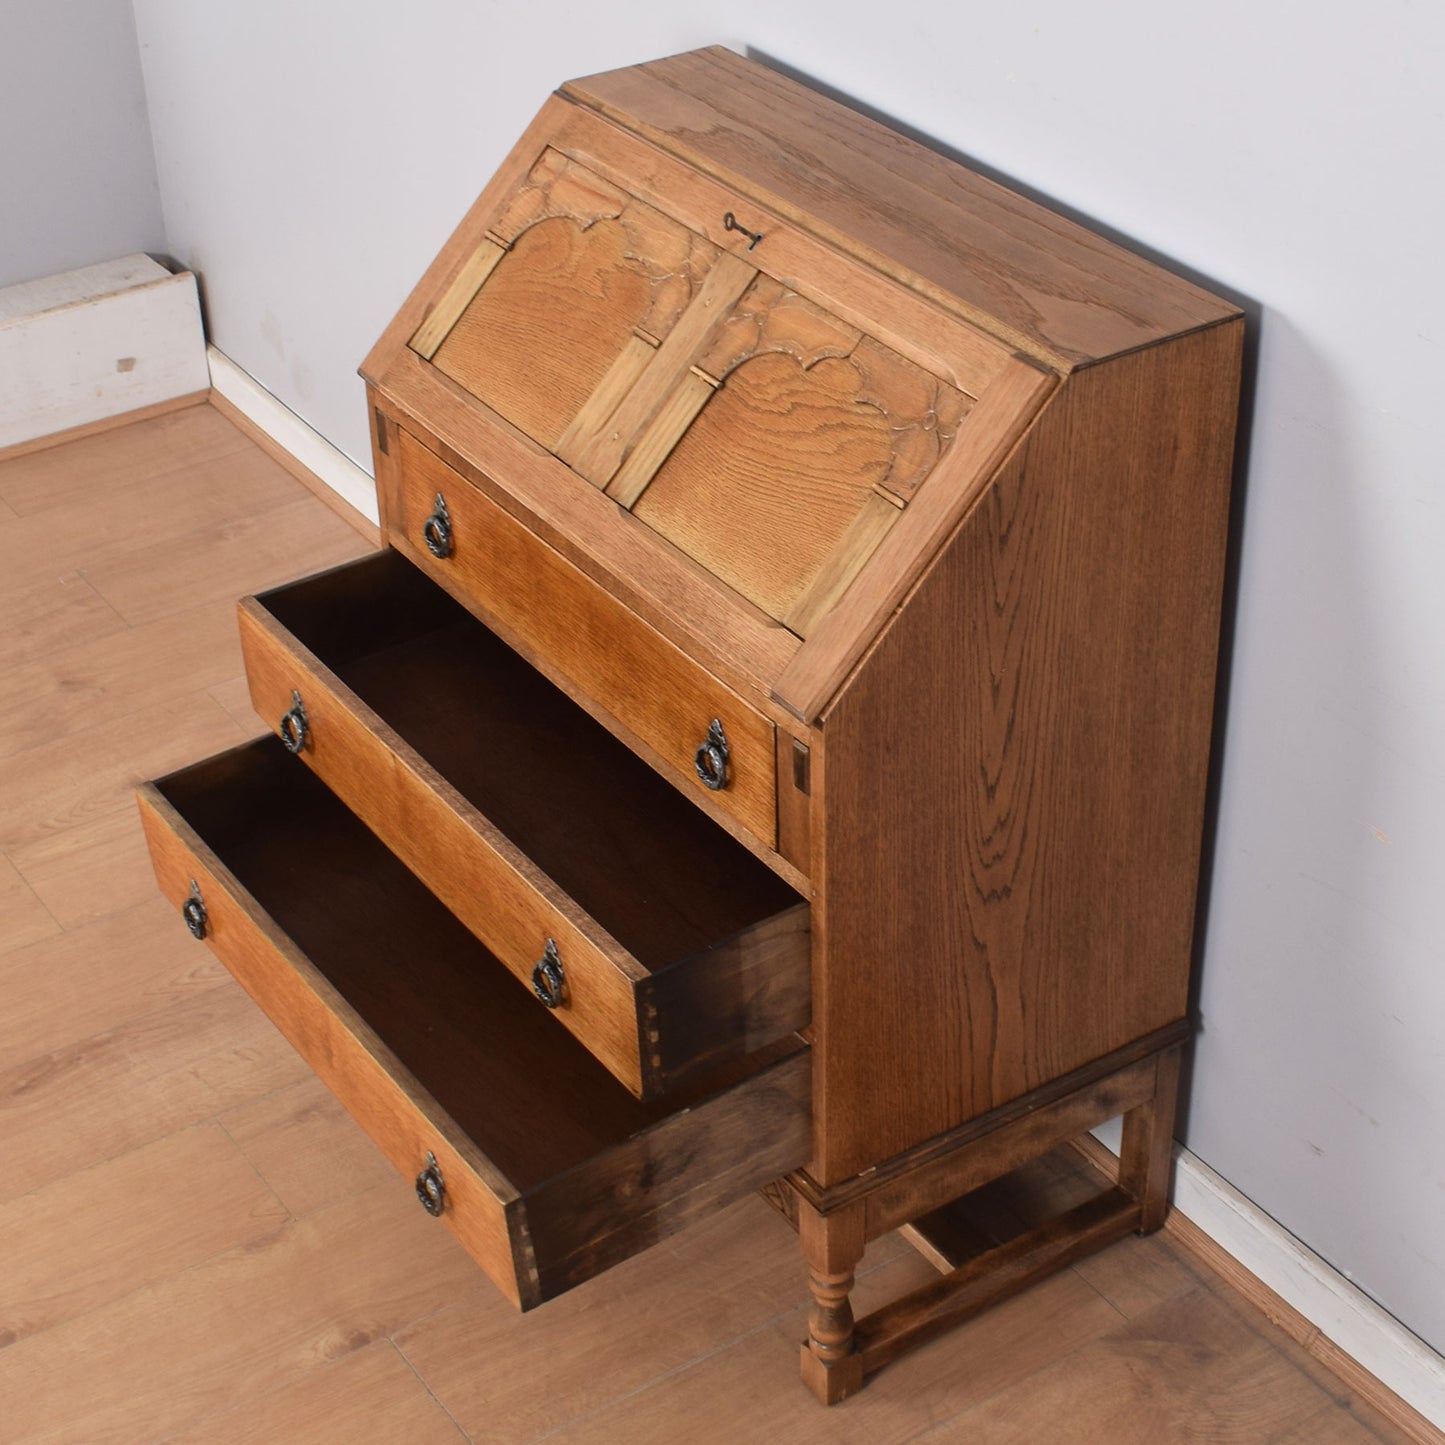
(844, 633)
(734, 641)
(569, 271)
(599, 456)
(768, 480)
(550, 321)
(552, 1172)
(1044, 283)
(856, 292)
(401, 1118)
(465, 860)
(649, 686)
(1051, 919)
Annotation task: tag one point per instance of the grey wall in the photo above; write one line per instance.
(77, 174)
(313, 157)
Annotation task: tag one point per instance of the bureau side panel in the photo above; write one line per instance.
(1013, 780)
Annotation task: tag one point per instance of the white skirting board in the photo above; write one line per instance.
(349, 481)
(88, 345)
(1341, 1311)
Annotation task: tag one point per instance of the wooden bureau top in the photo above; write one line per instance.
(746, 358)
(1036, 280)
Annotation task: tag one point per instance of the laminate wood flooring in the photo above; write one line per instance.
(197, 1245)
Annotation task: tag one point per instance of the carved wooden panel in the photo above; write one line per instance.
(572, 287)
(923, 413)
(799, 441)
(770, 318)
(770, 476)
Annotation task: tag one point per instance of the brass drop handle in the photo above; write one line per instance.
(436, 531)
(294, 727)
(711, 759)
(193, 910)
(431, 1188)
(549, 981)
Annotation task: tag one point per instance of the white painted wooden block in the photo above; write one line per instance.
(90, 344)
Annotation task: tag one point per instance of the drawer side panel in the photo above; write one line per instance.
(674, 1175)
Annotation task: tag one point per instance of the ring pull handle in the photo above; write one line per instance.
(549, 981)
(431, 1188)
(711, 759)
(193, 910)
(436, 531)
(294, 727)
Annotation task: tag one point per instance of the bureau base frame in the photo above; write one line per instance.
(836, 1224)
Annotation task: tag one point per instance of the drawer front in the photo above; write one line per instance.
(550, 1171)
(634, 674)
(346, 1055)
(492, 887)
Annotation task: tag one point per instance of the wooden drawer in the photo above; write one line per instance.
(531, 822)
(551, 1171)
(655, 691)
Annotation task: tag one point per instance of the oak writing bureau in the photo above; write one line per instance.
(770, 751)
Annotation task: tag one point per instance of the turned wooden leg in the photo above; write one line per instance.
(1147, 1152)
(832, 1245)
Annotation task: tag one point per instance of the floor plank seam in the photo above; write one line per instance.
(85, 1045)
(671, 1373)
(1013, 1383)
(722, 1347)
(140, 705)
(39, 901)
(249, 520)
(218, 1120)
(1079, 1274)
(421, 1379)
(147, 1286)
(13, 465)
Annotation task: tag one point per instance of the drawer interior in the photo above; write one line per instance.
(532, 1099)
(647, 865)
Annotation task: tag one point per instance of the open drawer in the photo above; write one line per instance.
(546, 1169)
(656, 938)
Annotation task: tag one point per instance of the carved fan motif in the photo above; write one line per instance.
(557, 187)
(923, 412)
